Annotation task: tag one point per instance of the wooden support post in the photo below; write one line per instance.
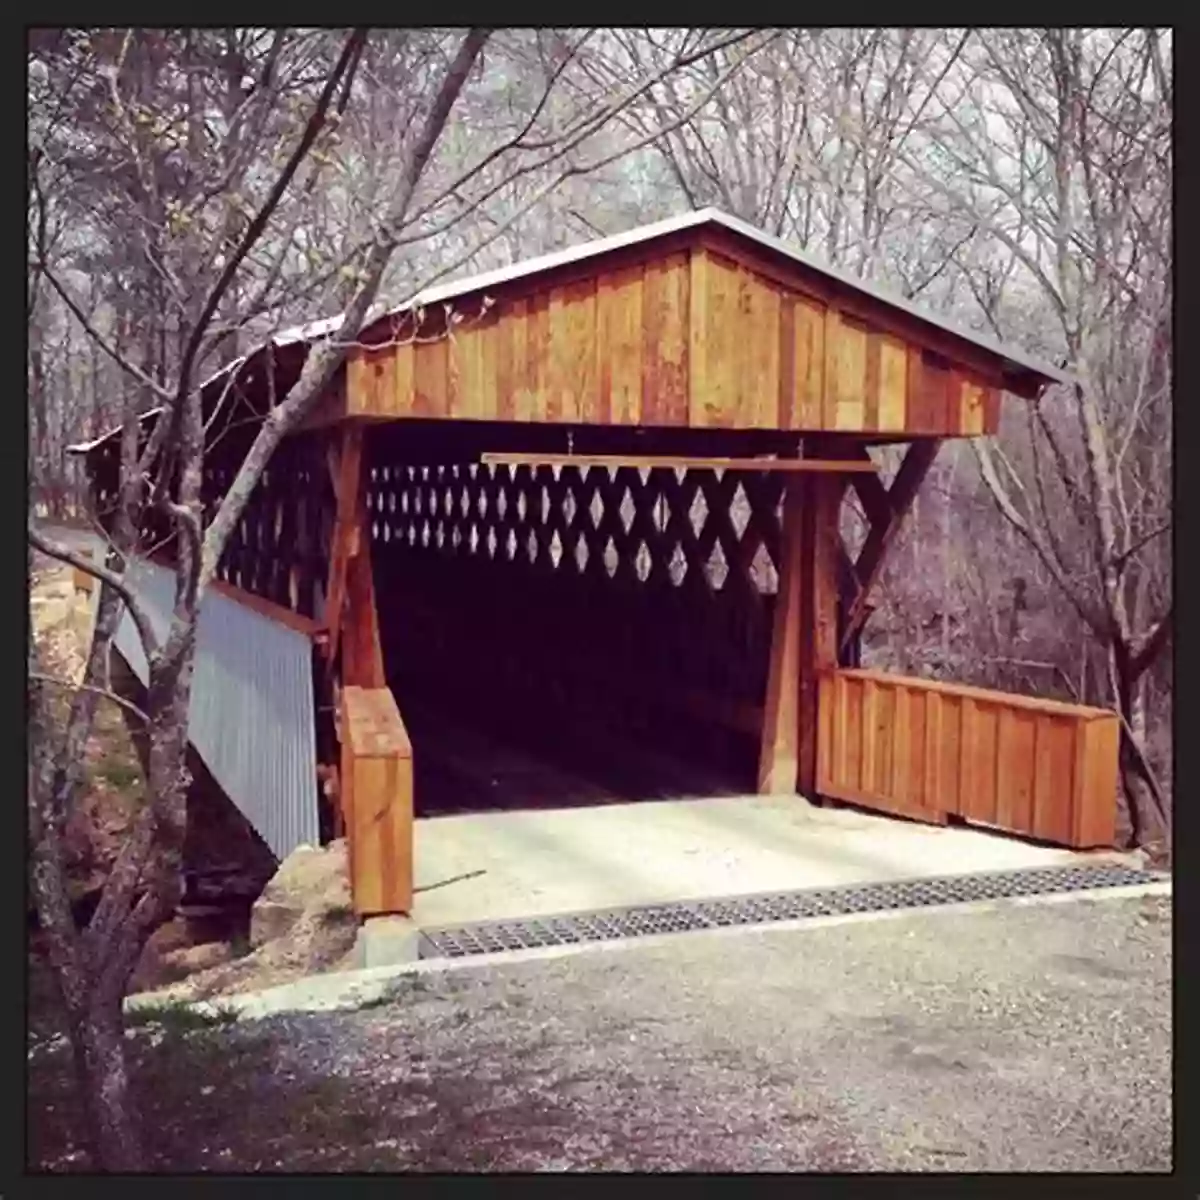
(376, 793)
(362, 653)
(345, 467)
(778, 762)
(804, 639)
(375, 781)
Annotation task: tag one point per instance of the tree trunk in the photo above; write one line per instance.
(104, 1084)
(1148, 821)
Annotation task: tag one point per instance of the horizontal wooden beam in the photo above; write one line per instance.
(269, 609)
(1038, 704)
(826, 465)
(259, 604)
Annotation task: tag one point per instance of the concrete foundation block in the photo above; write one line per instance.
(387, 942)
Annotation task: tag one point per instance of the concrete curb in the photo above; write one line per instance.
(349, 990)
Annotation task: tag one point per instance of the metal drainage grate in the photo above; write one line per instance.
(685, 916)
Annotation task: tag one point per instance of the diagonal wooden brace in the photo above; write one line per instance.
(886, 510)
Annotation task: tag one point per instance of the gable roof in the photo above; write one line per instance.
(1013, 357)
(715, 218)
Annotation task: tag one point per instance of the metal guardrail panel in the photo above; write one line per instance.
(252, 706)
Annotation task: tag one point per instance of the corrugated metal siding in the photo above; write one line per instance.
(251, 717)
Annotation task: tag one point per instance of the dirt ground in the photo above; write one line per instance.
(1013, 1038)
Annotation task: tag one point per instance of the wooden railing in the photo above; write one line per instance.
(376, 794)
(931, 750)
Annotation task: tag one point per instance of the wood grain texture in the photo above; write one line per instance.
(719, 384)
(698, 344)
(1096, 782)
(893, 369)
(779, 754)
(667, 339)
(926, 749)
(809, 353)
(701, 336)
(847, 405)
(759, 375)
(376, 782)
(620, 335)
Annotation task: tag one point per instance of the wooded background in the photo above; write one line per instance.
(1016, 181)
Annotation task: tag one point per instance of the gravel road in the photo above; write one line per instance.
(1016, 1038)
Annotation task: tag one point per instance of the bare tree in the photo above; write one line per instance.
(1020, 182)
(1059, 147)
(210, 192)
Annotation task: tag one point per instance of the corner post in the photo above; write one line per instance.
(376, 776)
(804, 637)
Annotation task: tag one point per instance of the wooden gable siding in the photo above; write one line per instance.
(685, 337)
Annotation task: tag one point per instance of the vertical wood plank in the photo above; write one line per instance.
(628, 389)
(955, 400)
(852, 717)
(575, 351)
(950, 772)
(402, 397)
(508, 329)
(464, 372)
(933, 787)
(758, 376)
(537, 356)
(456, 351)
(778, 760)
(665, 349)
(916, 749)
(818, 627)
(1096, 781)
(385, 382)
(431, 370)
(868, 749)
(826, 702)
(917, 415)
(722, 359)
(785, 400)
(485, 402)
(522, 402)
(972, 408)
(1054, 778)
(1015, 743)
(808, 398)
(978, 786)
(841, 731)
(871, 392)
(356, 385)
(899, 782)
(832, 371)
(893, 370)
(885, 719)
(556, 400)
(851, 377)
(698, 381)
(933, 397)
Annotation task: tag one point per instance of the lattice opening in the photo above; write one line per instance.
(639, 525)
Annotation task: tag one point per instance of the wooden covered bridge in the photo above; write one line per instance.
(597, 494)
